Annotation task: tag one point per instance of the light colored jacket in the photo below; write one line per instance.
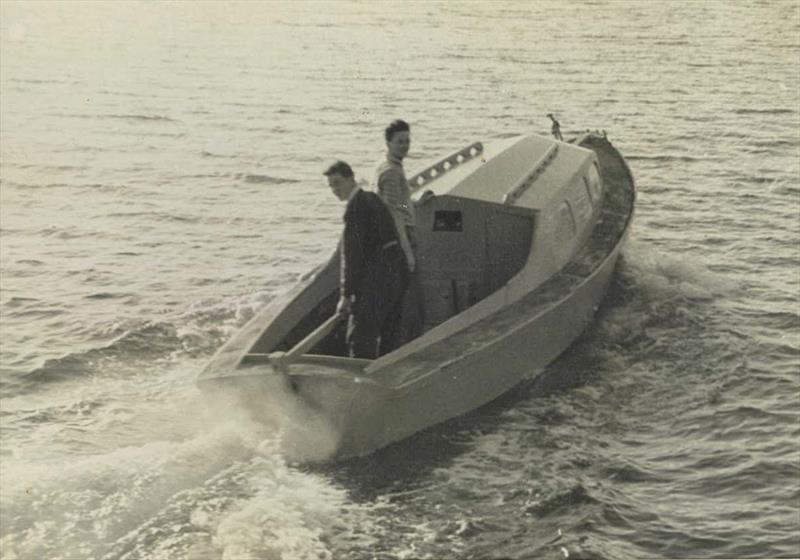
(392, 186)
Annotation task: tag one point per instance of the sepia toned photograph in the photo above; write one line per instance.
(399, 280)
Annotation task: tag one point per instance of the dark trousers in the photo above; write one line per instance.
(376, 315)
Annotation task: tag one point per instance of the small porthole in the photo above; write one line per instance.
(447, 220)
(565, 228)
(593, 183)
(589, 191)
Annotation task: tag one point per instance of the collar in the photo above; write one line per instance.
(352, 194)
(391, 159)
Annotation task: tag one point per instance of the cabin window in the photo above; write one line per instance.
(592, 181)
(582, 205)
(448, 220)
(592, 193)
(565, 228)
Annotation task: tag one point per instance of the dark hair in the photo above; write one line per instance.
(396, 126)
(339, 168)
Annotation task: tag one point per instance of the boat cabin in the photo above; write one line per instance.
(467, 250)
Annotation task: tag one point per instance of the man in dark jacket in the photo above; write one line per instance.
(374, 269)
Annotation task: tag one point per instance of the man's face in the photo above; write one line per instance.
(399, 144)
(341, 186)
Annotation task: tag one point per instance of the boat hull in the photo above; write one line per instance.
(375, 418)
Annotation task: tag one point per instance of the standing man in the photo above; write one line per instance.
(374, 269)
(392, 186)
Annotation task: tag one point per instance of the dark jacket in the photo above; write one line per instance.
(371, 252)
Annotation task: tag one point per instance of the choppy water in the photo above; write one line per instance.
(161, 180)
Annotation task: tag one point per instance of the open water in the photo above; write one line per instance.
(161, 181)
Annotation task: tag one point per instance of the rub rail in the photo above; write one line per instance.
(441, 167)
(511, 196)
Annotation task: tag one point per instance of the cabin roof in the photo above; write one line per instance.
(506, 162)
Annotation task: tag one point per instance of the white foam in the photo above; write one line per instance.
(286, 517)
(75, 506)
(668, 272)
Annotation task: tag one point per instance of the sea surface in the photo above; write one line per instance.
(160, 181)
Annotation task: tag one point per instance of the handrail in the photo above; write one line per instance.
(512, 195)
(443, 166)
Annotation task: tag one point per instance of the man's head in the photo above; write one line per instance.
(340, 179)
(398, 138)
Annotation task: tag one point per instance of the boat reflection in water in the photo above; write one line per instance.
(518, 240)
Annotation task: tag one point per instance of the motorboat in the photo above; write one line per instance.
(517, 243)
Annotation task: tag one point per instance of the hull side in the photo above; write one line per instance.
(496, 353)
(375, 419)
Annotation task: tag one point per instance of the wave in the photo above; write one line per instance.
(32, 186)
(570, 498)
(755, 179)
(38, 81)
(665, 157)
(164, 216)
(73, 410)
(784, 188)
(655, 293)
(17, 301)
(205, 175)
(764, 111)
(207, 154)
(24, 311)
(630, 473)
(48, 168)
(775, 143)
(145, 342)
(106, 295)
(196, 332)
(134, 117)
(52, 231)
(783, 320)
(462, 56)
(219, 492)
(95, 186)
(263, 179)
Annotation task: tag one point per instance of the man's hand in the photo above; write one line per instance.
(345, 306)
